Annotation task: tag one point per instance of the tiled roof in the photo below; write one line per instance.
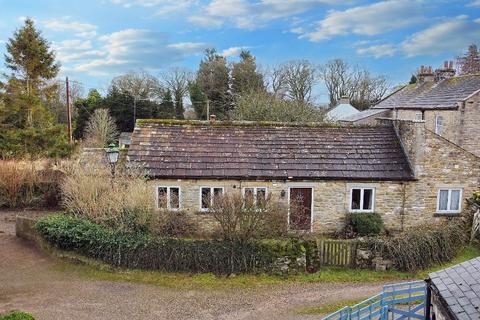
(459, 286)
(240, 151)
(430, 95)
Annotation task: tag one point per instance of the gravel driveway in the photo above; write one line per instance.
(32, 281)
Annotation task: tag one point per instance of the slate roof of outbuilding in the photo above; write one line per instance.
(459, 286)
(445, 94)
(275, 151)
(362, 115)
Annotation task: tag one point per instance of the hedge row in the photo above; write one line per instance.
(170, 254)
(422, 247)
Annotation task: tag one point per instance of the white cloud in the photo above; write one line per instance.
(163, 7)
(233, 51)
(368, 20)
(450, 35)
(251, 15)
(378, 51)
(84, 30)
(132, 49)
(475, 3)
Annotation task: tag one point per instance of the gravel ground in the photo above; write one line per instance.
(32, 281)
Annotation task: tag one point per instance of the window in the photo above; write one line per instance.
(207, 196)
(255, 195)
(362, 199)
(449, 200)
(418, 116)
(439, 125)
(168, 198)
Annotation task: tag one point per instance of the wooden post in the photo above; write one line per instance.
(69, 112)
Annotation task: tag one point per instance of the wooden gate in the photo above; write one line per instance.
(338, 253)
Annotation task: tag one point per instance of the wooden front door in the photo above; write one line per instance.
(300, 208)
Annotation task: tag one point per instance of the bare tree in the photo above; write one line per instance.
(276, 81)
(299, 76)
(101, 129)
(357, 83)
(469, 63)
(140, 85)
(176, 80)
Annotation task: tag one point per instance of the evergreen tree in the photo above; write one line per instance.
(166, 110)
(413, 79)
(198, 99)
(245, 77)
(84, 109)
(29, 58)
(213, 79)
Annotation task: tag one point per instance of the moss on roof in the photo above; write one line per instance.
(173, 122)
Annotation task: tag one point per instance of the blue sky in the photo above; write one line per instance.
(97, 40)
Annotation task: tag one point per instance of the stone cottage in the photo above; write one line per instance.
(449, 105)
(399, 169)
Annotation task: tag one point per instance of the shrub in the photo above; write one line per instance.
(124, 202)
(22, 184)
(366, 224)
(17, 315)
(242, 219)
(476, 197)
(174, 224)
(423, 247)
(140, 250)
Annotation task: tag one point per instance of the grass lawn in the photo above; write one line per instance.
(16, 315)
(95, 270)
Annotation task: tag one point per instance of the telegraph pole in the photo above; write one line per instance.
(208, 109)
(69, 112)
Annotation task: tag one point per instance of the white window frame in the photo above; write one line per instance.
(439, 128)
(211, 196)
(362, 191)
(449, 199)
(169, 207)
(255, 193)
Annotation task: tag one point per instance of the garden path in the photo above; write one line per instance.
(35, 282)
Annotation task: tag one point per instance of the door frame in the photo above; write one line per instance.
(311, 205)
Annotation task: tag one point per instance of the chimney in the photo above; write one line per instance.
(446, 72)
(213, 119)
(425, 74)
(344, 100)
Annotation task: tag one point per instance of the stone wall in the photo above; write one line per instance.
(438, 163)
(331, 199)
(470, 125)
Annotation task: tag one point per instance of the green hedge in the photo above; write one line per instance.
(423, 247)
(366, 224)
(17, 315)
(169, 254)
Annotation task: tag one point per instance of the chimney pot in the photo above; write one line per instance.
(445, 64)
(450, 65)
(213, 118)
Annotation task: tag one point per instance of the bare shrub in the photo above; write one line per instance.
(22, 184)
(241, 219)
(124, 202)
(101, 129)
(169, 223)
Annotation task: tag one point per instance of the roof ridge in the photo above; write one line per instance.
(242, 123)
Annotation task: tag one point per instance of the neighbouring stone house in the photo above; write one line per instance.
(399, 169)
(449, 105)
(454, 293)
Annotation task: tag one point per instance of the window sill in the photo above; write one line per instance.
(361, 211)
(447, 214)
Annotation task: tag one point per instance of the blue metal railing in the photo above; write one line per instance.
(397, 301)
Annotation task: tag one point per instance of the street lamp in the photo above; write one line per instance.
(112, 156)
